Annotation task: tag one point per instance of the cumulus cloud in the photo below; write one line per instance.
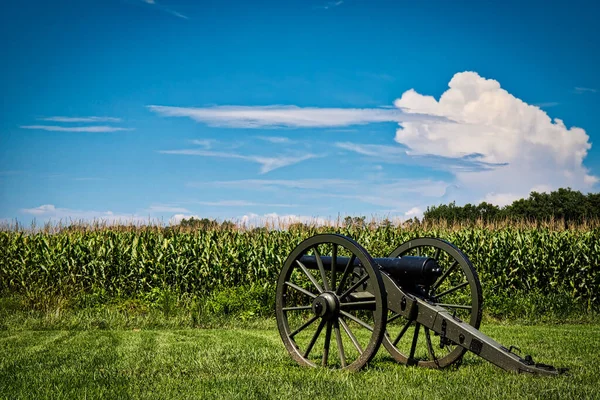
(267, 164)
(288, 116)
(96, 128)
(499, 128)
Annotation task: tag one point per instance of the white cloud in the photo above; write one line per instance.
(175, 13)
(49, 212)
(332, 4)
(580, 90)
(414, 212)
(206, 143)
(98, 128)
(177, 218)
(261, 184)
(499, 128)
(402, 155)
(277, 221)
(288, 116)
(167, 209)
(274, 139)
(547, 104)
(165, 9)
(501, 199)
(398, 194)
(81, 119)
(267, 163)
(241, 203)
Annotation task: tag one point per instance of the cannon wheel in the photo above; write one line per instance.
(458, 290)
(317, 307)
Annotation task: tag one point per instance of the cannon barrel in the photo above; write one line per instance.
(407, 270)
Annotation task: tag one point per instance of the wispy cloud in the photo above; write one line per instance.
(260, 184)
(165, 9)
(281, 221)
(581, 90)
(399, 194)
(331, 4)
(206, 143)
(51, 212)
(159, 208)
(88, 179)
(267, 163)
(96, 128)
(547, 104)
(81, 119)
(242, 203)
(401, 155)
(290, 116)
(275, 139)
(175, 13)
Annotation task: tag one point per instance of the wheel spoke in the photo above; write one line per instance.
(321, 269)
(444, 275)
(296, 308)
(340, 345)
(454, 289)
(310, 276)
(436, 255)
(347, 270)
(304, 326)
(413, 347)
(351, 336)
(429, 346)
(418, 251)
(393, 318)
(314, 338)
(357, 320)
(357, 284)
(334, 266)
(402, 332)
(301, 290)
(326, 344)
(454, 306)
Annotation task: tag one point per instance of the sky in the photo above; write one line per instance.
(139, 110)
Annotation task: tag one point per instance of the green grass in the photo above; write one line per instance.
(252, 363)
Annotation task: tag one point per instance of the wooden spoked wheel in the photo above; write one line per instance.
(330, 316)
(458, 290)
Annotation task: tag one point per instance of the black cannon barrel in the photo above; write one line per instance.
(405, 270)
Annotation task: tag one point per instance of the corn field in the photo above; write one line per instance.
(130, 262)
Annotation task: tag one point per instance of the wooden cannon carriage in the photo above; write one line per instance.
(336, 305)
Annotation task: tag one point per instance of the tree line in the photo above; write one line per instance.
(562, 204)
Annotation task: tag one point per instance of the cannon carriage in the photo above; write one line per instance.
(336, 305)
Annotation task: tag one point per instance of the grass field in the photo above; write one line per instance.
(252, 363)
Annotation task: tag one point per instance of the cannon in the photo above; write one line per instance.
(336, 305)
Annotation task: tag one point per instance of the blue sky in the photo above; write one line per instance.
(133, 109)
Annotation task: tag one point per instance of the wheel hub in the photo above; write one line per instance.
(326, 305)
